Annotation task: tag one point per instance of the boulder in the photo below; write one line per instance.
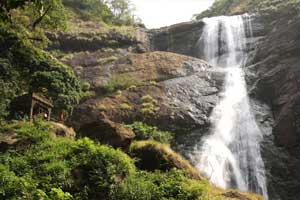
(108, 132)
(8, 140)
(60, 130)
(153, 156)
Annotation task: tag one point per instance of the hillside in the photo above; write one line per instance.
(131, 106)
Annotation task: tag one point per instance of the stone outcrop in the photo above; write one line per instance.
(86, 36)
(153, 97)
(108, 132)
(156, 156)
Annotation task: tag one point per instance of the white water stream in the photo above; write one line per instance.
(230, 155)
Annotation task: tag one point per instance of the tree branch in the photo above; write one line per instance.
(38, 20)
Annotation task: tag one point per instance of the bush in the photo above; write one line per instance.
(146, 132)
(119, 82)
(26, 68)
(125, 106)
(157, 185)
(149, 105)
(62, 166)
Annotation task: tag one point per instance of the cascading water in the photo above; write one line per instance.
(230, 155)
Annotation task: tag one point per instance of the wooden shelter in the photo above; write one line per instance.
(32, 104)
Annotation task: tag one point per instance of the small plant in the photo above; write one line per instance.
(153, 83)
(132, 88)
(119, 93)
(149, 105)
(147, 98)
(125, 106)
(110, 59)
(102, 107)
(87, 95)
(85, 86)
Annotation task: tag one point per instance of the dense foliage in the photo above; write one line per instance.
(42, 166)
(264, 7)
(145, 132)
(116, 12)
(25, 68)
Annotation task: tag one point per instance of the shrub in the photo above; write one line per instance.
(119, 82)
(148, 105)
(125, 106)
(62, 166)
(157, 185)
(85, 86)
(26, 68)
(146, 132)
(58, 194)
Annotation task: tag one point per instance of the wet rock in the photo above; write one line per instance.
(179, 38)
(184, 38)
(275, 80)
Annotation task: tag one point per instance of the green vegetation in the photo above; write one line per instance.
(39, 166)
(112, 12)
(25, 68)
(119, 82)
(49, 14)
(264, 7)
(110, 59)
(146, 132)
(152, 155)
(62, 167)
(148, 105)
(159, 186)
(125, 106)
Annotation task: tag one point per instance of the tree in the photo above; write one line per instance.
(122, 11)
(47, 13)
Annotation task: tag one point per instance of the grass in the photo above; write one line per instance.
(120, 82)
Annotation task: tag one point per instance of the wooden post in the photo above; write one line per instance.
(49, 114)
(31, 110)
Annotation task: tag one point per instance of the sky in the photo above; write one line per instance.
(159, 13)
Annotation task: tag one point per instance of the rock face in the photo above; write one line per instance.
(87, 39)
(184, 38)
(179, 38)
(277, 80)
(153, 98)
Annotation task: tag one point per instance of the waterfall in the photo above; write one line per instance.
(230, 155)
